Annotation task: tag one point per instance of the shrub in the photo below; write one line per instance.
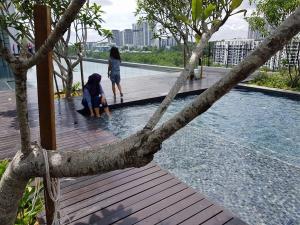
(31, 203)
(275, 80)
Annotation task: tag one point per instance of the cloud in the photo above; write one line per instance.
(103, 2)
(120, 14)
(236, 26)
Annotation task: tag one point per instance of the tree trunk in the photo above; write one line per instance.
(22, 110)
(12, 186)
(69, 83)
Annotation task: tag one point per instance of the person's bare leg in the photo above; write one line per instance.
(91, 112)
(97, 112)
(120, 89)
(114, 89)
(106, 110)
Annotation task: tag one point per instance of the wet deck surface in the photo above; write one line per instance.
(147, 195)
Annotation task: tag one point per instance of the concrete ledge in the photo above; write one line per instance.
(157, 99)
(158, 67)
(138, 65)
(271, 91)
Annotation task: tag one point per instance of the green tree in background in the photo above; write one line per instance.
(165, 15)
(187, 20)
(267, 16)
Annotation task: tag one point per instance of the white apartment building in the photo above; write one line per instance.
(231, 52)
(142, 34)
(127, 37)
(116, 38)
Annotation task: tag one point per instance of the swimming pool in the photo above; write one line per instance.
(243, 153)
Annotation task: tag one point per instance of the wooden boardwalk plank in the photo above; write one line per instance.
(124, 212)
(221, 218)
(156, 207)
(171, 210)
(203, 216)
(83, 185)
(131, 197)
(97, 203)
(188, 212)
(102, 186)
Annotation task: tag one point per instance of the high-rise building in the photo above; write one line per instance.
(116, 37)
(127, 37)
(137, 31)
(121, 38)
(232, 52)
(142, 34)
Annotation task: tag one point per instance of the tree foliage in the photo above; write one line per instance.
(22, 21)
(186, 20)
(270, 14)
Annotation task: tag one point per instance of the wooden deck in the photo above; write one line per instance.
(147, 195)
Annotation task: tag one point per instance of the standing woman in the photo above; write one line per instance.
(114, 70)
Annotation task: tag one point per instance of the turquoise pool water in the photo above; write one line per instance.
(243, 153)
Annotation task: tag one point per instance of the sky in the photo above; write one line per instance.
(119, 14)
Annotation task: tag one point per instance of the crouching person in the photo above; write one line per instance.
(93, 96)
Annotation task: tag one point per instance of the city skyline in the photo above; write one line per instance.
(119, 15)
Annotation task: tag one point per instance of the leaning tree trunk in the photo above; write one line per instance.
(12, 185)
(69, 83)
(69, 77)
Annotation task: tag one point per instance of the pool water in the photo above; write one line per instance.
(243, 153)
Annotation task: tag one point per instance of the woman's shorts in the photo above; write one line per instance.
(115, 78)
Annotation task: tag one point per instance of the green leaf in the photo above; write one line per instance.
(183, 19)
(235, 4)
(197, 38)
(196, 9)
(216, 22)
(208, 11)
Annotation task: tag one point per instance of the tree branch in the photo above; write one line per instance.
(11, 191)
(59, 75)
(5, 54)
(74, 64)
(179, 82)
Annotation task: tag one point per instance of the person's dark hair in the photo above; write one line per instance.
(114, 53)
(93, 84)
